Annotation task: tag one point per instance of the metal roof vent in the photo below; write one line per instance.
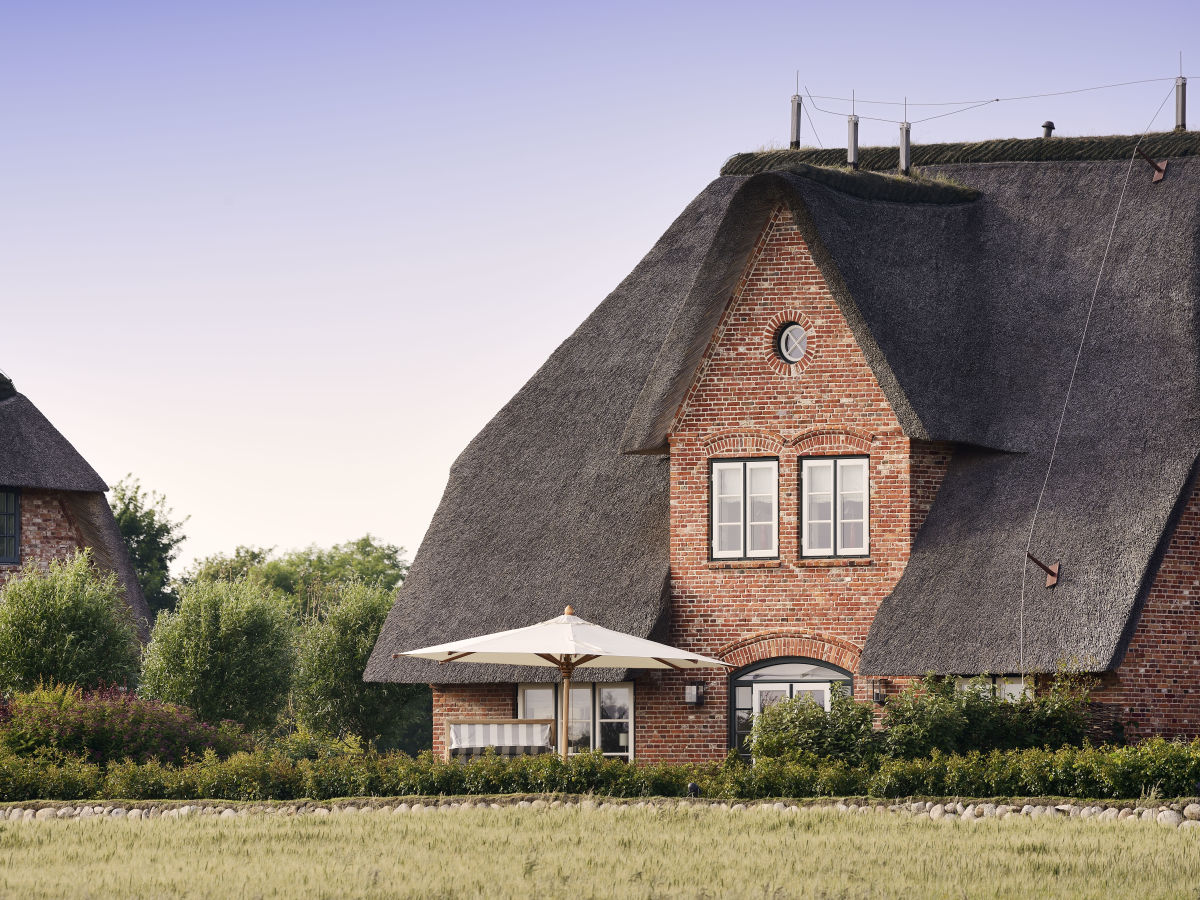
(1047, 129)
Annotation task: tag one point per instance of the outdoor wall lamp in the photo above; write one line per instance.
(693, 693)
(878, 690)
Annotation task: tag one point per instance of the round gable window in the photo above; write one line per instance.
(791, 342)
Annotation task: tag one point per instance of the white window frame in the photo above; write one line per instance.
(836, 465)
(1006, 687)
(744, 467)
(594, 691)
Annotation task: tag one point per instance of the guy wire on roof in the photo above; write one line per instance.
(1071, 382)
(966, 105)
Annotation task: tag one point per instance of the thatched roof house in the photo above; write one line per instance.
(51, 501)
(966, 291)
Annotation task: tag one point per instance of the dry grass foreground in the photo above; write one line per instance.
(630, 852)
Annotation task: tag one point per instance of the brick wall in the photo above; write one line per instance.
(927, 467)
(1156, 688)
(747, 402)
(47, 530)
(469, 701)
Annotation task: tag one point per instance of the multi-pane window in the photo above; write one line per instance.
(10, 526)
(745, 508)
(601, 716)
(758, 686)
(835, 506)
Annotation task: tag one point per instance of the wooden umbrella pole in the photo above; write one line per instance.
(566, 669)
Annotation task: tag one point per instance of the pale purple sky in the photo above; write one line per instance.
(282, 260)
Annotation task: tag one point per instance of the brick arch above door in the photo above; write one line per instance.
(771, 644)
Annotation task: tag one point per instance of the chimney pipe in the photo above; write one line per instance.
(852, 141)
(1181, 104)
(905, 148)
(796, 101)
(1047, 129)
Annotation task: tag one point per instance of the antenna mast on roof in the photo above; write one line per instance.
(796, 101)
(852, 135)
(1181, 98)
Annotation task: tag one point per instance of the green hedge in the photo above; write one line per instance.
(1157, 767)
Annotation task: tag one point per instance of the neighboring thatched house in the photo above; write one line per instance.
(52, 502)
(808, 433)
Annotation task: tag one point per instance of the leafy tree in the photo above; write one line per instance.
(225, 652)
(69, 624)
(303, 576)
(152, 537)
(330, 695)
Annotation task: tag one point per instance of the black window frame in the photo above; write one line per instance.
(745, 557)
(15, 558)
(737, 675)
(834, 513)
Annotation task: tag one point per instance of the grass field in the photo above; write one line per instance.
(596, 853)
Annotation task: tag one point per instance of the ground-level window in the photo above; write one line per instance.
(601, 715)
(745, 508)
(1006, 687)
(10, 525)
(754, 688)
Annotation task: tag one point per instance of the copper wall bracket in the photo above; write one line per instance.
(1051, 571)
(1160, 169)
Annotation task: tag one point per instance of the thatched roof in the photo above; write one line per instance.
(968, 300)
(34, 454)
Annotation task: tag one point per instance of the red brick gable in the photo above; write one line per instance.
(746, 401)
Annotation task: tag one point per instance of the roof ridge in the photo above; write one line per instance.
(1054, 149)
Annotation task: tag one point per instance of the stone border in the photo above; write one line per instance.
(1176, 815)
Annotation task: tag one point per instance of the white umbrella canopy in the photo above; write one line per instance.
(567, 643)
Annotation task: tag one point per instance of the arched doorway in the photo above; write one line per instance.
(758, 685)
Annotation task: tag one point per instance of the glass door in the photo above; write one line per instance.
(817, 692)
(768, 694)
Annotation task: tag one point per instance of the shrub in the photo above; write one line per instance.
(329, 692)
(69, 624)
(47, 778)
(225, 652)
(110, 724)
(800, 726)
(923, 718)
(1157, 767)
(933, 715)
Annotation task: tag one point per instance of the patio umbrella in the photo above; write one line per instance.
(567, 643)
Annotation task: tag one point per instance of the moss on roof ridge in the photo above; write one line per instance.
(1060, 149)
(880, 186)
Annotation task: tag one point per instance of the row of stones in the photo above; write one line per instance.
(1186, 817)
